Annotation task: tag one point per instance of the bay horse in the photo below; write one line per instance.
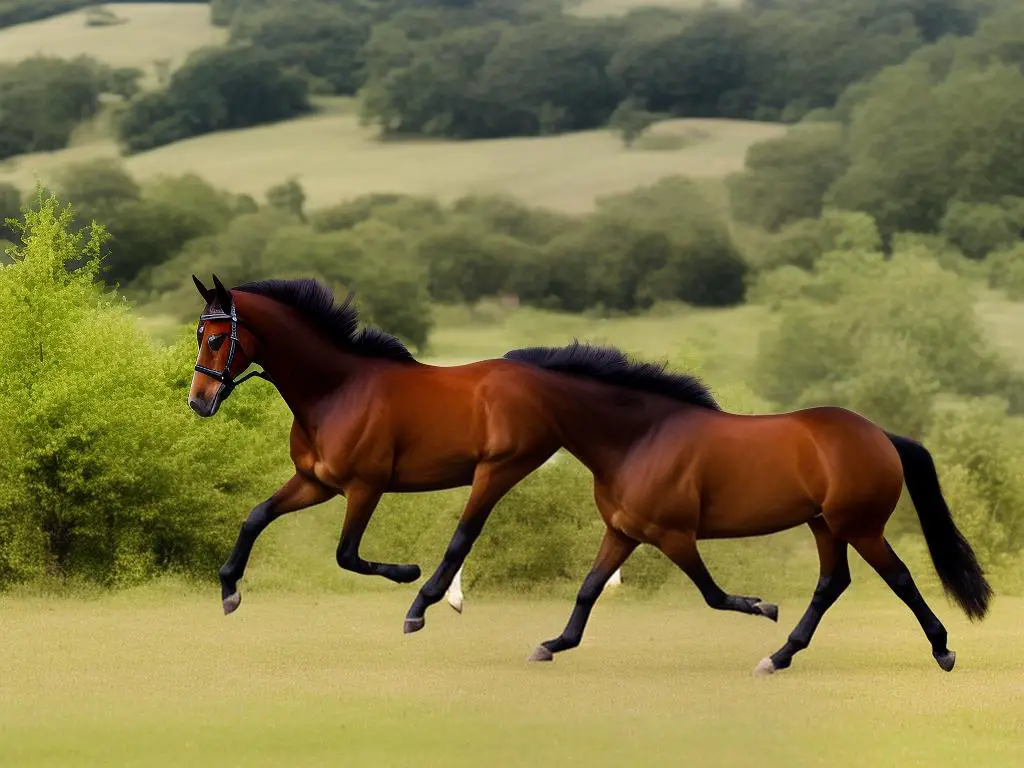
(671, 467)
(368, 418)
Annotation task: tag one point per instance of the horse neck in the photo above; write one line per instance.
(303, 365)
(599, 424)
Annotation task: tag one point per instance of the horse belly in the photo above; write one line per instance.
(764, 500)
(756, 520)
(432, 476)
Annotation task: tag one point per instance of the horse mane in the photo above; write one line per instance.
(612, 366)
(315, 301)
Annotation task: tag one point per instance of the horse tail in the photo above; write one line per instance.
(954, 560)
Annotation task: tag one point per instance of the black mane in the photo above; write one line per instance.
(340, 322)
(612, 366)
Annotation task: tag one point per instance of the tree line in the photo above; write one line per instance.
(470, 69)
(664, 242)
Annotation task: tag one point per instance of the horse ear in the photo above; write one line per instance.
(223, 294)
(205, 292)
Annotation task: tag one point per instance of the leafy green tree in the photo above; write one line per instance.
(630, 119)
(786, 179)
(288, 196)
(97, 477)
(864, 325)
(324, 40)
(42, 99)
(216, 89)
(979, 228)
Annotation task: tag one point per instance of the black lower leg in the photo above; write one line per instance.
(721, 600)
(902, 583)
(433, 590)
(231, 572)
(571, 636)
(829, 589)
(348, 559)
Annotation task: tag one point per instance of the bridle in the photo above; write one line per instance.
(227, 382)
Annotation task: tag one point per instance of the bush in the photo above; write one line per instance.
(321, 39)
(98, 478)
(979, 228)
(146, 225)
(1006, 271)
(880, 336)
(786, 178)
(42, 99)
(217, 89)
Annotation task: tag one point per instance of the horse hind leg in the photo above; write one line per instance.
(681, 548)
(880, 556)
(833, 580)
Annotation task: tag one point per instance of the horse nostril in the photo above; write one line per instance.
(196, 405)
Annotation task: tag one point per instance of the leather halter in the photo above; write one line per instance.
(227, 382)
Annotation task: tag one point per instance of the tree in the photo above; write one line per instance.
(97, 465)
(288, 196)
(786, 178)
(324, 40)
(630, 119)
(215, 90)
(42, 99)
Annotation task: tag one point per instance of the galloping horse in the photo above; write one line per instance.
(670, 467)
(368, 418)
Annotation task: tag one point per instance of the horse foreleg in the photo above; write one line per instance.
(615, 549)
(298, 493)
(491, 481)
(834, 578)
(362, 500)
(681, 548)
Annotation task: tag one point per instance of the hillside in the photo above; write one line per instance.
(334, 158)
(152, 32)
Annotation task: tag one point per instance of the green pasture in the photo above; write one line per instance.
(158, 677)
(335, 158)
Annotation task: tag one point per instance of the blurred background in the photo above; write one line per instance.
(802, 201)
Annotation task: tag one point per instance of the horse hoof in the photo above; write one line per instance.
(946, 660)
(541, 654)
(768, 610)
(414, 625)
(231, 602)
(455, 602)
(764, 668)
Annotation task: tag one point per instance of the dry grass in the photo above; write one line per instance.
(335, 158)
(152, 32)
(159, 677)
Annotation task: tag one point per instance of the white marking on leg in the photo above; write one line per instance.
(454, 594)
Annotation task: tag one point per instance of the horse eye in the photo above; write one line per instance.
(215, 342)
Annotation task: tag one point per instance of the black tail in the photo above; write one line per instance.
(954, 560)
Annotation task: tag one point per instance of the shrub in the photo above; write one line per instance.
(979, 228)
(217, 89)
(98, 474)
(42, 99)
(878, 335)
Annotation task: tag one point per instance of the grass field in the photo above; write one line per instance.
(335, 158)
(152, 32)
(158, 678)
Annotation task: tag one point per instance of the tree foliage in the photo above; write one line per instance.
(97, 465)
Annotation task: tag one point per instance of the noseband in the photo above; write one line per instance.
(227, 381)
